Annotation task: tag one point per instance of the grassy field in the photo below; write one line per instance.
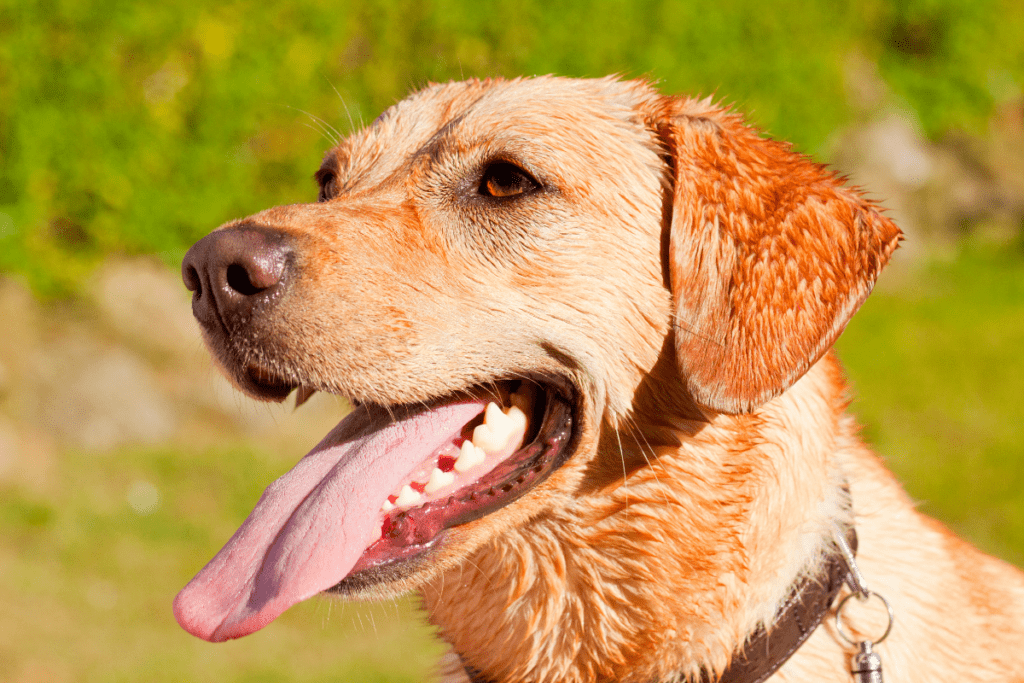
(938, 375)
(133, 128)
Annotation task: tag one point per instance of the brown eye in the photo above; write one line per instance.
(502, 179)
(328, 185)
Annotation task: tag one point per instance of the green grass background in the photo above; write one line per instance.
(131, 127)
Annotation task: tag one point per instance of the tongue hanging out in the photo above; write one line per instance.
(315, 524)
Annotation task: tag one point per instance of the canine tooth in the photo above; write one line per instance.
(438, 480)
(470, 456)
(407, 496)
(388, 506)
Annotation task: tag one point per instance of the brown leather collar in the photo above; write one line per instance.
(767, 649)
(806, 607)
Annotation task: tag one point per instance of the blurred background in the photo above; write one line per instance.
(130, 129)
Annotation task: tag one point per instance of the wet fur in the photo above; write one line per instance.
(688, 276)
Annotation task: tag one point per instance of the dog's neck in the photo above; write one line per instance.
(693, 547)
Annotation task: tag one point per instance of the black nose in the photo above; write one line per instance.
(232, 271)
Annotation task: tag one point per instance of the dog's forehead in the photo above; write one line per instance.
(466, 112)
(544, 102)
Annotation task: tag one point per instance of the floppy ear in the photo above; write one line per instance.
(769, 256)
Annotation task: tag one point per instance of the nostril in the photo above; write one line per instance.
(233, 270)
(239, 280)
(192, 281)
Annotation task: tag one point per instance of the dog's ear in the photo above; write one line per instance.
(768, 256)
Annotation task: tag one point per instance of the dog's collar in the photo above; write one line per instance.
(767, 649)
(808, 603)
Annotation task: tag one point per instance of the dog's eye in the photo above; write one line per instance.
(328, 185)
(502, 179)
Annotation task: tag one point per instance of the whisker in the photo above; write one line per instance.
(321, 132)
(678, 325)
(635, 429)
(348, 112)
(622, 458)
(324, 128)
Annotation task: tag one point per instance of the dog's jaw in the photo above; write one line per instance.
(666, 571)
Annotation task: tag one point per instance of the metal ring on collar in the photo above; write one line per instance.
(839, 614)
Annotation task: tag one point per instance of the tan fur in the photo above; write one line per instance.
(688, 276)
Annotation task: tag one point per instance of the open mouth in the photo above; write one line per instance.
(376, 495)
(518, 440)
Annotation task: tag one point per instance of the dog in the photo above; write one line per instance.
(585, 329)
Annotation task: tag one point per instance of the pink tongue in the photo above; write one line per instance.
(311, 525)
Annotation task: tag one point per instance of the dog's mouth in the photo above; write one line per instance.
(376, 495)
(513, 445)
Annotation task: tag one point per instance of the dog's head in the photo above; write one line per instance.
(589, 256)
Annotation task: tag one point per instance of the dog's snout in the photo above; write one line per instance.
(234, 270)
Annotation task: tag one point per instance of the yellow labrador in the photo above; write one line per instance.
(585, 328)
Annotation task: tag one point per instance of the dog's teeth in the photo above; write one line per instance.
(388, 506)
(438, 480)
(498, 427)
(517, 417)
(497, 420)
(485, 438)
(408, 496)
(493, 434)
(470, 455)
